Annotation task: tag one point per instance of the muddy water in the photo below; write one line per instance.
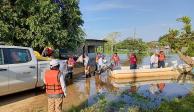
(82, 92)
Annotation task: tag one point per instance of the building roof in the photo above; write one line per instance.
(95, 40)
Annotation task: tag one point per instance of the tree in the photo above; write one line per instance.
(153, 44)
(133, 45)
(41, 23)
(179, 39)
(187, 23)
(111, 42)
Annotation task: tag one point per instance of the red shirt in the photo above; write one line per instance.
(115, 58)
(133, 59)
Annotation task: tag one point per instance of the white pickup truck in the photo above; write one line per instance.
(20, 70)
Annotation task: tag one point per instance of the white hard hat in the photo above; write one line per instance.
(54, 63)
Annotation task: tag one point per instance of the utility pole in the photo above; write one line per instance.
(134, 35)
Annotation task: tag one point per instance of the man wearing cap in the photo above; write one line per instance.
(55, 87)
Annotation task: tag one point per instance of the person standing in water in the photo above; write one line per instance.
(71, 63)
(161, 59)
(87, 65)
(98, 59)
(116, 59)
(154, 61)
(133, 61)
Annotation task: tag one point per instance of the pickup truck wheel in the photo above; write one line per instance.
(39, 90)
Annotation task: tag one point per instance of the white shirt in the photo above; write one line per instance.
(62, 82)
(86, 60)
(100, 61)
(154, 59)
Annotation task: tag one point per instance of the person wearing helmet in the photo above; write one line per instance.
(55, 87)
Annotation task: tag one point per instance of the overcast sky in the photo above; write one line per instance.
(150, 18)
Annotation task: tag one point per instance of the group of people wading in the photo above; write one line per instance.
(55, 79)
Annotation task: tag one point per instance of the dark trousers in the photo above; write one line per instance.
(161, 64)
(96, 66)
(133, 66)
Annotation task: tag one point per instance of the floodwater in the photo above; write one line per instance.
(81, 92)
(146, 93)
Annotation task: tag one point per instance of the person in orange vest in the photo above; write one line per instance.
(161, 59)
(71, 63)
(116, 59)
(55, 87)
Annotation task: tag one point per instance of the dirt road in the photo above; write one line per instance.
(36, 100)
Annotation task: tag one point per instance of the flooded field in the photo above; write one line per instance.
(102, 92)
(146, 93)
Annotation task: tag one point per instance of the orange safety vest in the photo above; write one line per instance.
(161, 57)
(52, 81)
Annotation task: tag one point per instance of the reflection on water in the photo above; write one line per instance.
(142, 92)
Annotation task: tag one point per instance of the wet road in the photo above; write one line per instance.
(79, 92)
(36, 100)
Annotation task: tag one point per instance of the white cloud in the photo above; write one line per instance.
(109, 5)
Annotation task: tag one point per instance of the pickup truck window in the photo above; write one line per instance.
(14, 55)
(1, 57)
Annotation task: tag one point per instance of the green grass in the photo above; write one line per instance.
(178, 105)
(185, 104)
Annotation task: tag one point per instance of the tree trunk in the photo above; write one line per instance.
(187, 59)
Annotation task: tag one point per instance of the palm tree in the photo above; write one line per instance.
(187, 23)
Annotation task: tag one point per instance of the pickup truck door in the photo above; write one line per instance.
(3, 75)
(22, 69)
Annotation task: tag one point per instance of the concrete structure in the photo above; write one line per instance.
(91, 46)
